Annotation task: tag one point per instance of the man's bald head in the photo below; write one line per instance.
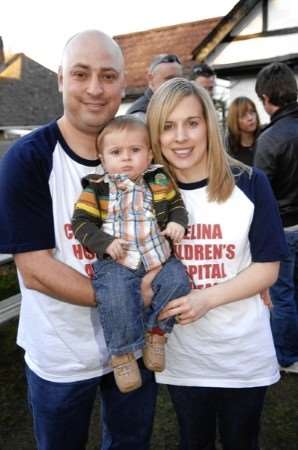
(92, 38)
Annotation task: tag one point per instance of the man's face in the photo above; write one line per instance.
(162, 73)
(92, 82)
(207, 82)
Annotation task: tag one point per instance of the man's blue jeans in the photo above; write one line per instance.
(237, 412)
(61, 412)
(121, 307)
(284, 314)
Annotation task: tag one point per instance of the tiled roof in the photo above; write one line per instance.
(139, 48)
(28, 93)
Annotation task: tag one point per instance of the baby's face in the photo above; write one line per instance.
(126, 152)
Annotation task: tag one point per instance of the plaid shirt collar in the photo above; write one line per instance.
(121, 178)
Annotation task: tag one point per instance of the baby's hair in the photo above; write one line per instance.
(120, 123)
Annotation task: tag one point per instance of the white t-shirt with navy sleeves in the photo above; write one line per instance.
(231, 346)
(40, 180)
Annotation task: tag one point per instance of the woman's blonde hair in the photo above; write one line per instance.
(163, 102)
(237, 109)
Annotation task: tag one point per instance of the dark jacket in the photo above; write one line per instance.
(238, 151)
(140, 105)
(277, 156)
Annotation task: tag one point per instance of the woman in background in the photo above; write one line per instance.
(243, 125)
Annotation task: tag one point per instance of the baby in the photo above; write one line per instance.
(129, 217)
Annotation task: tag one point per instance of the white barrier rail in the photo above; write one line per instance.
(10, 308)
(5, 259)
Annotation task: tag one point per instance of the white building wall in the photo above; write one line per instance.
(255, 49)
(281, 14)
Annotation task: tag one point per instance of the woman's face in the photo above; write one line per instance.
(248, 120)
(184, 140)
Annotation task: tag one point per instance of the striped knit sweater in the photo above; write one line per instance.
(92, 207)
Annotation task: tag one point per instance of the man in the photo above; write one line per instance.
(65, 353)
(204, 75)
(277, 156)
(162, 68)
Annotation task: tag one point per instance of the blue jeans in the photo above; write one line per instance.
(120, 303)
(237, 412)
(61, 412)
(284, 314)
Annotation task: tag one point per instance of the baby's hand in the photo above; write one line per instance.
(115, 249)
(174, 231)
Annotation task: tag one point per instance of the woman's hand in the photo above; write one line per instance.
(251, 281)
(189, 308)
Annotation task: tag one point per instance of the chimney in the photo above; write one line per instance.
(1, 52)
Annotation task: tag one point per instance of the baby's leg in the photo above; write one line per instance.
(146, 286)
(121, 314)
(171, 282)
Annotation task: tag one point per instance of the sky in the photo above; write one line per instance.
(40, 28)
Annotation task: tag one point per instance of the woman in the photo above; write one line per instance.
(243, 127)
(221, 357)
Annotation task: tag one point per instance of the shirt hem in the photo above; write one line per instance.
(219, 383)
(82, 375)
(79, 376)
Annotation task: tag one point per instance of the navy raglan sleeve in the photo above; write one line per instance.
(266, 236)
(26, 218)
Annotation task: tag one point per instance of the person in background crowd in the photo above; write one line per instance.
(277, 156)
(40, 180)
(243, 125)
(162, 68)
(204, 75)
(221, 357)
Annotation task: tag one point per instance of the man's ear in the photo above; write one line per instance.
(60, 79)
(149, 79)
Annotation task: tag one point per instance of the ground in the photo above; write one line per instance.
(279, 432)
(280, 418)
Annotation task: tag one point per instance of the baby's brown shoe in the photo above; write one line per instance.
(154, 352)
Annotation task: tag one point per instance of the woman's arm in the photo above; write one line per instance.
(43, 273)
(254, 279)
